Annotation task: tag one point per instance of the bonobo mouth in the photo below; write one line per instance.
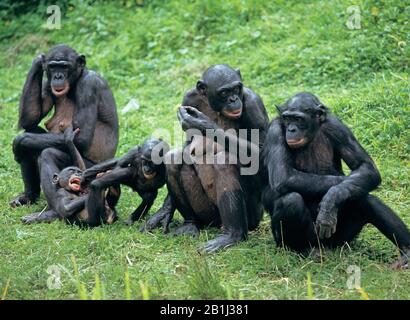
(233, 114)
(150, 175)
(60, 91)
(75, 184)
(293, 144)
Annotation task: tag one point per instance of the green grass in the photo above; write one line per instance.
(154, 54)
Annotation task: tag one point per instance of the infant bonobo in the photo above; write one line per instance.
(141, 168)
(77, 204)
(310, 199)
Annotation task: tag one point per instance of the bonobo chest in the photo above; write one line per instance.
(63, 115)
(317, 157)
(140, 184)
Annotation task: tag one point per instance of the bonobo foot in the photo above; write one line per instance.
(403, 263)
(23, 199)
(222, 242)
(188, 228)
(162, 218)
(129, 222)
(38, 217)
(314, 254)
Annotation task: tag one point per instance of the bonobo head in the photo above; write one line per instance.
(69, 178)
(301, 117)
(152, 152)
(63, 67)
(223, 87)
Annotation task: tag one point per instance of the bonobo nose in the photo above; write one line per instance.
(233, 99)
(58, 76)
(292, 130)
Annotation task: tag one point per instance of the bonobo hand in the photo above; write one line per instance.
(326, 220)
(38, 61)
(191, 118)
(87, 176)
(69, 134)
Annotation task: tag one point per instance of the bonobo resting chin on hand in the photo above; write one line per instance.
(310, 200)
(81, 99)
(206, 191)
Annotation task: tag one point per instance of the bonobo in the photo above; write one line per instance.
(74, 204)
(142, 168)
(214, 193)
(81, 98)
(309, 198)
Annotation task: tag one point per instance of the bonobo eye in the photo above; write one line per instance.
(238, 89)
(224, 93)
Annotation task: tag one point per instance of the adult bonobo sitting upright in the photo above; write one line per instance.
(216, 193)
(81, 99)
(310, 199)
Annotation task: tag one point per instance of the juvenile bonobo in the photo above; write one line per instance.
(215, 193)
(81, 98)
(75, 204)
(142, 168)
(309, 198)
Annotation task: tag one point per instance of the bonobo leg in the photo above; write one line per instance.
(176, 173)
(38, 217)
(27, 158)
(388, 223)
(292, 223)
(254, 207)
(97, 199)
(148, 199)
(231, 206)
(51, 161)
(162, 217)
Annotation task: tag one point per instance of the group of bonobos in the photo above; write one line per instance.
(301, 183)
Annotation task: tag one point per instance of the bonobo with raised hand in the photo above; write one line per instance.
(215, 194)
(309, 198)
(82, 99)
(137, 169)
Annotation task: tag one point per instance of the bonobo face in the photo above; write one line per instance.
(301, 117)
(63, 67)
(149, 168)
(69, 178)
(224, 89)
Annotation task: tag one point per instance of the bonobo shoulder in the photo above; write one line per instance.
(336, 130)
(252, 98)
(91, 79)
(192, 98)
(254, 114)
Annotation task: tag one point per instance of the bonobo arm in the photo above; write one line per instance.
(69, 135)
(364, 177)
(114, 177)
(148, 199)
(122, 162)
(87, 99)
(31, 100)
(67, 205)
(283, 177)
(90, 173)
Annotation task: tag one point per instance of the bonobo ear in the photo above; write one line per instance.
(201, 87)
(280, 109)
(55, 178)
(321, 112)
(81, 60)
(238, 71)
